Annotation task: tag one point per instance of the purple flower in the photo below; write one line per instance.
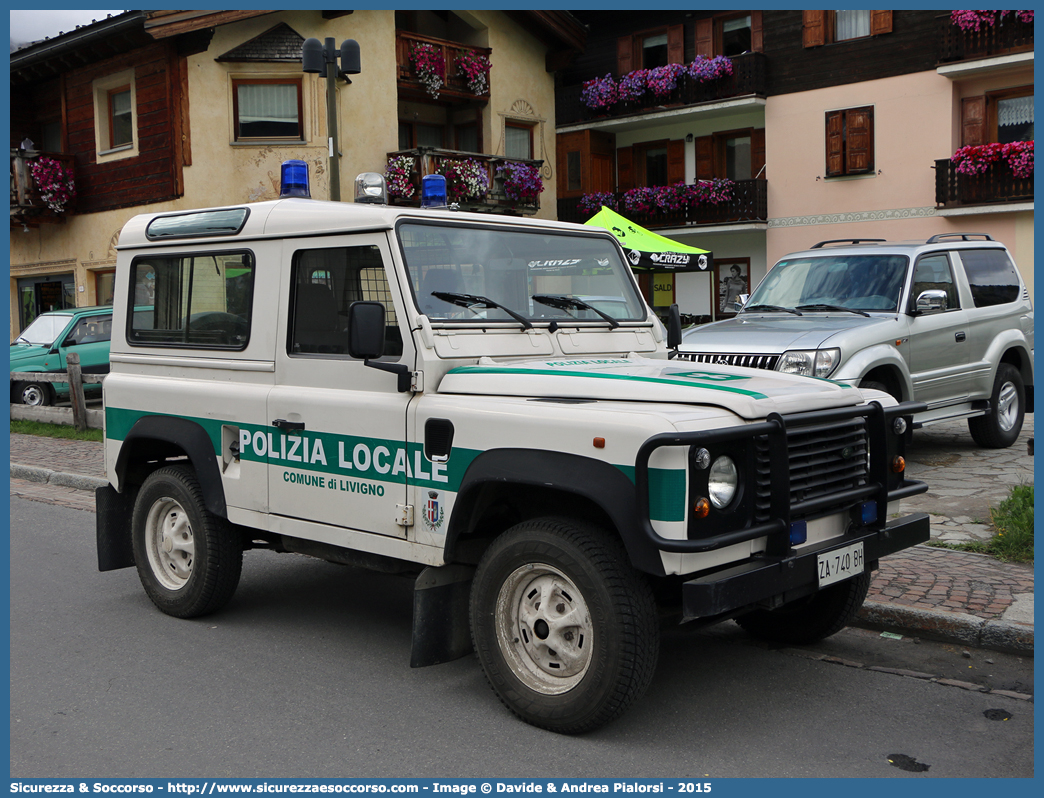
(663, 80)
(466, 178)
(400, 169)
(976, 20)
(634, 84)
(599, 93)
(592, 203)
(705, 69)
(522, 181)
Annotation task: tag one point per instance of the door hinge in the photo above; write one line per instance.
(418, 382)
(404, 514)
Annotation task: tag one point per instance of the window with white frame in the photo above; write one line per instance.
(115, 116)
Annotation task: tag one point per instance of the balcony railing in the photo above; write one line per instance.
(1007, 36)
(749, 203)
(427, 161)
(27, 207)
(996, 184)
(748, 77)
(455, 87)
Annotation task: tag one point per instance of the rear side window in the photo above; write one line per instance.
(91, 330)
(991, 275)
(325, 283)
(199, 301)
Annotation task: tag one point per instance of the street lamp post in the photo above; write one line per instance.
(321, 59)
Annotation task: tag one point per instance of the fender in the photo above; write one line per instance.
(186, 436)
(866, 360)
(601, 483)
(1001, 345)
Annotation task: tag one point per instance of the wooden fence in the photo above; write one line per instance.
(78, 415)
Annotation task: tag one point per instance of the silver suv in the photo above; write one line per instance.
(947, 322)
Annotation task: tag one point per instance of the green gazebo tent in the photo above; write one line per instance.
(648, 251)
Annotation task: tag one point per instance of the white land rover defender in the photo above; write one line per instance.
(430, 393)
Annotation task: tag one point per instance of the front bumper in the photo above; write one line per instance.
(772, 581)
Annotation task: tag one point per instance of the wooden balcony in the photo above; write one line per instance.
(427, 161)
(749, 204)
(27, 208)
(1008, 36)
(748, 78)
(996, 184)
(455, 89)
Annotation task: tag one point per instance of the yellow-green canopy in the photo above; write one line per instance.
(649, 251)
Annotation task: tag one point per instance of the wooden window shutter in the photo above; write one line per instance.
(880, 22)
(859, 140)
(705, 37)
(973, 121)
(835, 143)
(676, 44)
(757, 153)
(624, 55)
(757, 34)
(705, 157)
(675, 162)
(813, 28)
(625, 168)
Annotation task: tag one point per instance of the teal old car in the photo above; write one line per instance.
(45, 344)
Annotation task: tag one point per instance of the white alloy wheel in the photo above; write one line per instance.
(544, 629)
(169, 542)
(34, 395)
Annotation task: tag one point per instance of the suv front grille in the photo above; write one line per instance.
(822, 459)
(749, 361)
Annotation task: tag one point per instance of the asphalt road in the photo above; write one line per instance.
(306, 673)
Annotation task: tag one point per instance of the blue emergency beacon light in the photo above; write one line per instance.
(433, 191)
(293, 180)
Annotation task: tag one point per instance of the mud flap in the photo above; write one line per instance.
(113, 528)
(441, 630)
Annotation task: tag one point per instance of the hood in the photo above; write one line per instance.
(778, 332)
(20, 353)
(750, 393)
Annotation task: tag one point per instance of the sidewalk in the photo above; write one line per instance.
(967, 599)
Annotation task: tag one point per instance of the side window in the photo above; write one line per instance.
(91, 330)
(991, 275)
(200, 301)
(325, 282)
(267, 108)
(932, 273)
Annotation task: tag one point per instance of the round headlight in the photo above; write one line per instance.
(722, 482)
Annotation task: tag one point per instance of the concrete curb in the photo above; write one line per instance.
(36, 474)
(948, 627)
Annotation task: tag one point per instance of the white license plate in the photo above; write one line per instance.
(840, 564)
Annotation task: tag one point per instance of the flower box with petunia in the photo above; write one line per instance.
(466, 179)
(430, 66)
(521, 181)
(474, 68)
(976, 159)
(399, 175)
(55, 183)
(601, 94)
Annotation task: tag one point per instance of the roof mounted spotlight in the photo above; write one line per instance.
(370, 187)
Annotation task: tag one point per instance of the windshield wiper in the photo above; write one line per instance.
(775, 308)
(562, 302)
(821, 306)
(470, 301)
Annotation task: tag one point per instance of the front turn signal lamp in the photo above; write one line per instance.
(701, 508)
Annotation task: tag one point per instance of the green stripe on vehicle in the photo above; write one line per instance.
(701, 379)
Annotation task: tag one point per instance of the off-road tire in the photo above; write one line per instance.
(597, 655)
(812, 618)
(189, 561)
(1001, 426)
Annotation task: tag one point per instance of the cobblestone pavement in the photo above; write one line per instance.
(964, 482)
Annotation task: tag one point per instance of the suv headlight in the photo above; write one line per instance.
(809, 362)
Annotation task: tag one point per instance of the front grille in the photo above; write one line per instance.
(749, 361)
(823, 459)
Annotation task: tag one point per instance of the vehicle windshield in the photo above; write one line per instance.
(508, 268)
(855, 282)
(44, 329)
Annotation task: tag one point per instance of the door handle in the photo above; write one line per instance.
(959, 337)
(288, 426)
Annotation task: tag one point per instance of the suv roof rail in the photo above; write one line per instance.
(822, 244)
(963, 236)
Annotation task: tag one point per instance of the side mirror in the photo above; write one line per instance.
(674, 328)
(931, 301)
(366, 330)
